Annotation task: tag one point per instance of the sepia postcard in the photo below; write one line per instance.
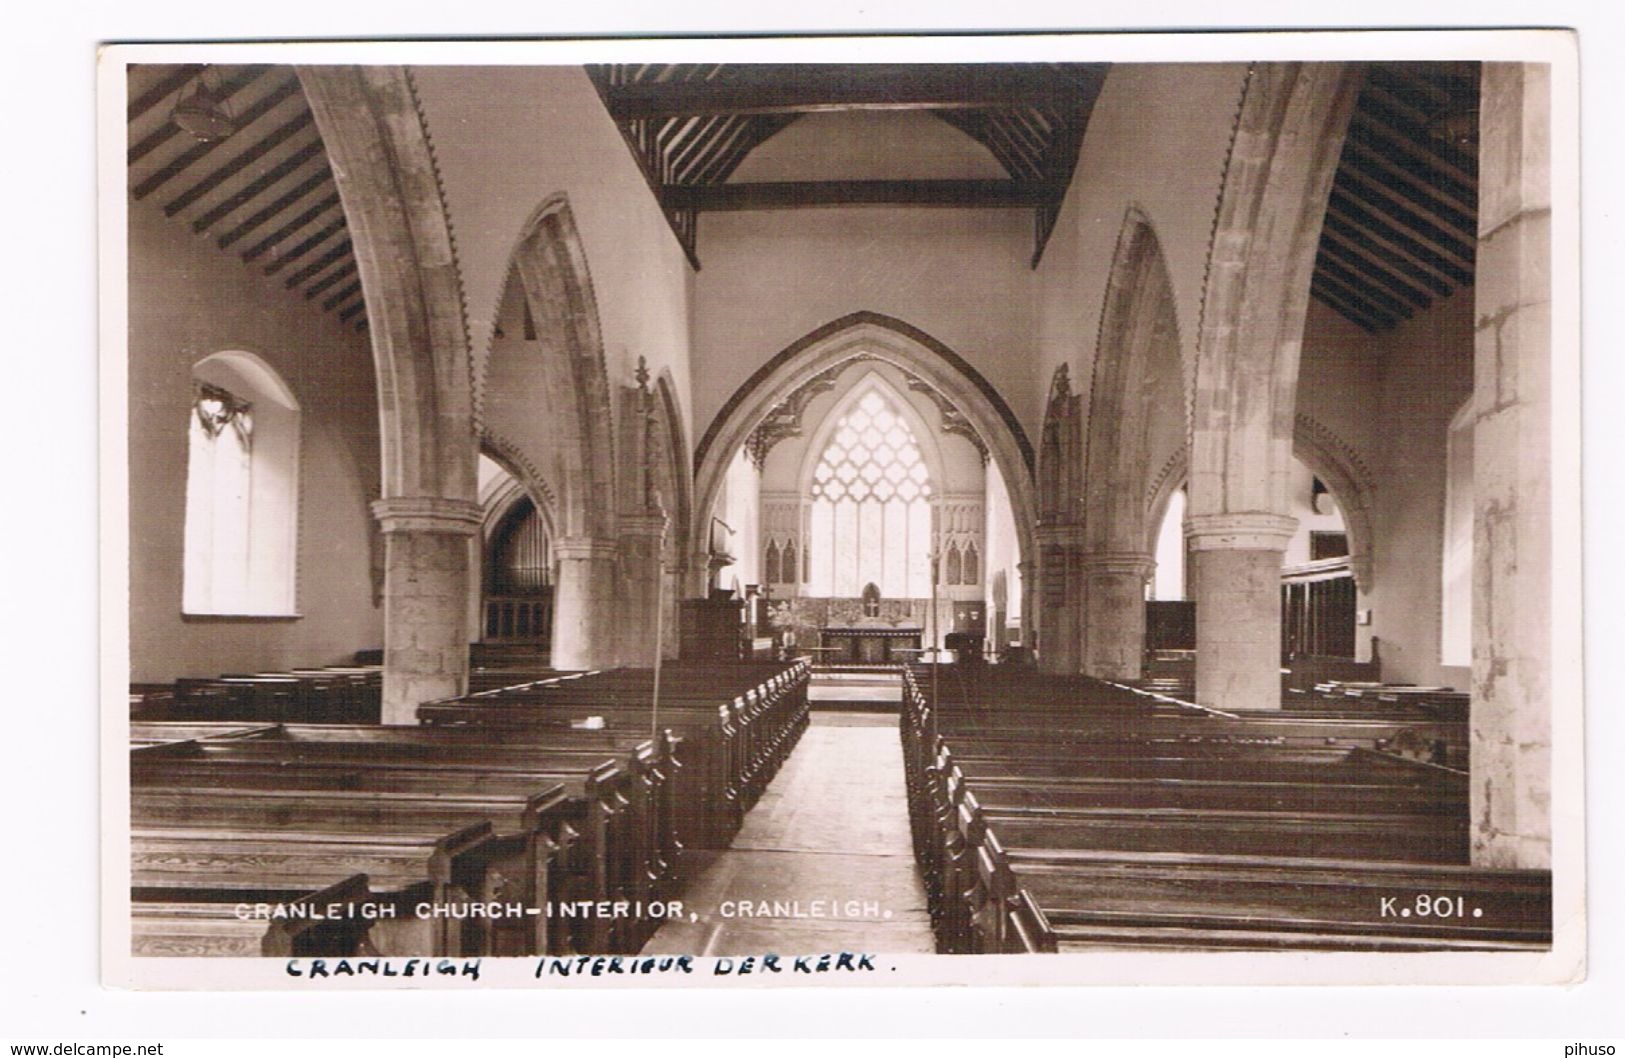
(842, 512)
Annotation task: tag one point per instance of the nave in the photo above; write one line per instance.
(1018, 812)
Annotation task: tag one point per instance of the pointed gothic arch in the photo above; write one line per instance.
(389, 186)
(1139, 333)
(1330, 458)
(567, 371)
(892, 341)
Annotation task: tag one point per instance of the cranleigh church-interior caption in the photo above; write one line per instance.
(739, 508)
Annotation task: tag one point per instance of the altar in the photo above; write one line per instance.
(869, 645)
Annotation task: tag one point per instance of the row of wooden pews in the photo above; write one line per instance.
(735, 736)
(562, 821)
(492, 666)
(1067, 814)
(349, 694)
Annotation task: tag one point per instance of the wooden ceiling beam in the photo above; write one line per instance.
(1380, 255)
(338, 251)
(293, 227)
(315, 289)
(1459, 226)
(173, 82)
(1357, 260)
(199, 150)
(1449, 242)
(732, 143)
(254, 153)
(978, 194)
(1359, 283)
(168, 129)
(1376, 160)
(1354, 300)
(338, 299)
(1368, 124)
(1415, 267)
(805, 90)
(258, 185)
(1459, 269)
(319, 178)
(309, 243)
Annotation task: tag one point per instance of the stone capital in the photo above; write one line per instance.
(642, 525)
(577, 548)
(1127, 563)
(427, 514)
(1239, 531)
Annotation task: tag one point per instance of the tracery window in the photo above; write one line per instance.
(871, 506)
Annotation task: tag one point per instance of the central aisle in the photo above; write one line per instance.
(823, 862)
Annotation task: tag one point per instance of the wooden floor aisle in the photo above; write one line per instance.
(832, 828)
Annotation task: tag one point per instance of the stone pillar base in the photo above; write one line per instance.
(426, 584)
(1237, 560)
(1114, 613)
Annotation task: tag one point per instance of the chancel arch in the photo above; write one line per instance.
(892, 341)
(866, 479)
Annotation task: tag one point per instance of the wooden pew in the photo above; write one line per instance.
(519, 863)
(613, 811)
(737, 722)
(253, 862)
(185, 924)
(1071, 904)
(1062, 814)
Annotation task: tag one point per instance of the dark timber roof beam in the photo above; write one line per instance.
(988, 194)
(814, 89)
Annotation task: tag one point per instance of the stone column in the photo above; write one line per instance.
(584, 635)
(1238, 607)
(1114, 613)
(1510, 736)
(696, 578)
(1061, 606)
(642, 584)
(426, 584)
(1029, 593)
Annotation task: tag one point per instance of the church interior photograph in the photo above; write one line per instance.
(900, 508)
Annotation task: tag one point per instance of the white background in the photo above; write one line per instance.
(48, 577)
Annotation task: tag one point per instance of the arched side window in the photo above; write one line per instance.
(1456, 565)
(871, 506)
(972, 571)
(242, 490)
